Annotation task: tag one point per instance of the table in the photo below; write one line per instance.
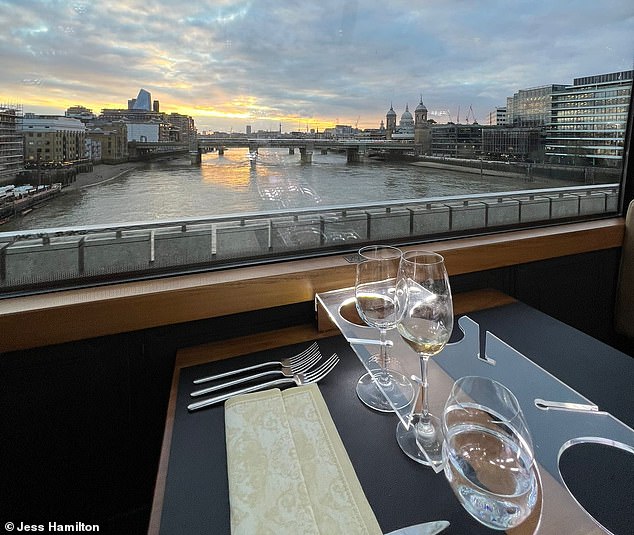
(195, 495)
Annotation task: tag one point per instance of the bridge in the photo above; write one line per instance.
(354, 148)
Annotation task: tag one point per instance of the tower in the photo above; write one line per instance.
(420, 114)
(143, 101)
(390, 122)
(422, 131)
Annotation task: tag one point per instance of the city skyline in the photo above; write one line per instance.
(233, 63)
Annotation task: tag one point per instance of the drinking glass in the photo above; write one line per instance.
(426, 323)
(375, 293)
(488, 453)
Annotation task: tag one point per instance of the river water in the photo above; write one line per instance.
(233, 184)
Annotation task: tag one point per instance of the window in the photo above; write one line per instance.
(236, 132)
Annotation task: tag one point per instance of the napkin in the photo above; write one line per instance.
(288, 470)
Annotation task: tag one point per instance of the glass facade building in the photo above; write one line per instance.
(588, 121)
(532, 107)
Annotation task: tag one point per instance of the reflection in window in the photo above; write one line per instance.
(140, 141)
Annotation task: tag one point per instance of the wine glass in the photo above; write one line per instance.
(426, 323)
(488, 453)
(375, 296)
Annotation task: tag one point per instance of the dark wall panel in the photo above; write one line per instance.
(82, 423)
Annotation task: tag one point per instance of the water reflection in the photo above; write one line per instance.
(232, 183)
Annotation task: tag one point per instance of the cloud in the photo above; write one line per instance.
(248, 62)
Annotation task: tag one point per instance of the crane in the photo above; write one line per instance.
(472, 114)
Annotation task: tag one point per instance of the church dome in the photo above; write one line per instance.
(421, 106)
(391, 113)
(407, 118)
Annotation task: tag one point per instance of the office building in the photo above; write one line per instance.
(497, 117)
(512, 144)
(143, 101)
(589, 119)
(532, 107)
(456, 140)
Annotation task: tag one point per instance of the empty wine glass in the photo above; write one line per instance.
(488, 453)
(426, 323)
(375, 293)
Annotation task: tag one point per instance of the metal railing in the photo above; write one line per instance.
(53, 255)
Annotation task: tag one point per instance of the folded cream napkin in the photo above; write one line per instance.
(288, 470)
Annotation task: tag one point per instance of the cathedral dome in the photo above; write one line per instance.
(391, 113)
(407, 118)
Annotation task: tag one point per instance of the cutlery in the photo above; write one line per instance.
(312, 376)
(427, 528)
(304, 366)
(295, 360)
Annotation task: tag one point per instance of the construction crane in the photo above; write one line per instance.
(471, 114)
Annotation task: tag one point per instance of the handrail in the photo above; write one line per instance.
(14, 236)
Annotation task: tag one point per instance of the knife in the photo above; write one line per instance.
(427, 528)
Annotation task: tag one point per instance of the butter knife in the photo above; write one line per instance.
(427, 528)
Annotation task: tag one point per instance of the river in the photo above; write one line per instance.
(232, 183)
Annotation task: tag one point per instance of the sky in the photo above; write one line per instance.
(304, 64)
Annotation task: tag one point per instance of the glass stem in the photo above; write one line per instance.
(384, 376)
(424, 385)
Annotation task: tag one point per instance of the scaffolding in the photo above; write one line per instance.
(11, 142)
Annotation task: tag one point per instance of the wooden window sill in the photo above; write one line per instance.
(64, 316)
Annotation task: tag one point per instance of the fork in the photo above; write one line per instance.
(312, 376)
(301, 367)
(295, 360)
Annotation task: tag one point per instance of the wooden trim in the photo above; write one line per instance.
(191, 356)
(65, 316)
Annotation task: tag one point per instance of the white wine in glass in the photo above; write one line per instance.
(378, 306)
(425, 323)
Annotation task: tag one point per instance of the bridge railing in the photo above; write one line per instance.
(47, 257)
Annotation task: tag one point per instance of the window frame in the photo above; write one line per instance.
(74, 314)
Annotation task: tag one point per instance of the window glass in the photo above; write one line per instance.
(140, 138)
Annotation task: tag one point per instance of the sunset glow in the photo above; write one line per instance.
(235, 63)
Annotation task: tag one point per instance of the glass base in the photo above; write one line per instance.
(422, 435)
(370, 394)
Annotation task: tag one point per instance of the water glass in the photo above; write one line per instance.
(377, 304)
(488, 453)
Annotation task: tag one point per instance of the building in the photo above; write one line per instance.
(410, 128)
(129, 115)
(143, 101)
(11, 142)
(144, 132)
(422, 129)
(390, 122)
(512, 144)
(405, 129)
(111, 139)
(531, 107)
(80, 112)
(497, 117)
(588, 121)
(53, 138)
(456, 140)
(184, 127)
(173, 127)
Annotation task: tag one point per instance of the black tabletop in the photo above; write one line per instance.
(400, 491)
